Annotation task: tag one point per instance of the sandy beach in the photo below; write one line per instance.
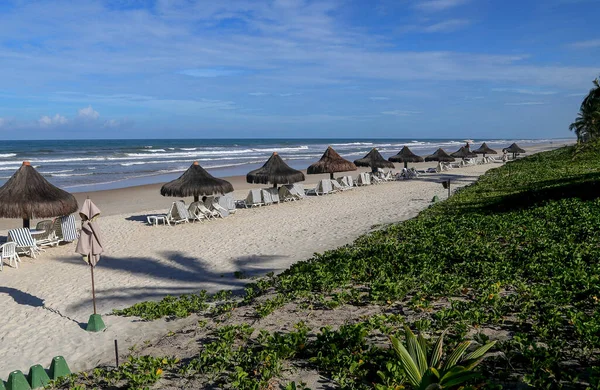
(47, 301)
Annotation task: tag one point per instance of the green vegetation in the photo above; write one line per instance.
(587, 124)
(513, 258)
(424, 374)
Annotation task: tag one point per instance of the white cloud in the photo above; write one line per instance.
(88, 113)
(447, 26)
(379, 98)
(258, 94)
(524, 104)
(56, 120)
(401, 112)
(289, 94)
(524, 91)
(3, 122)
(438, 5)
(579, 94)
(585, 44)
(211, 72)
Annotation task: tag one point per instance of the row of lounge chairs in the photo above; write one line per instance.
(209, 209)
(50, 233)
(272, 195)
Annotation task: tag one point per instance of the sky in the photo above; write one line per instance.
(295, 68)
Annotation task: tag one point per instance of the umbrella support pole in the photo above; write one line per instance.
(95, 323)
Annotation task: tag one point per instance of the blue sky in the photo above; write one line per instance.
(294, 68)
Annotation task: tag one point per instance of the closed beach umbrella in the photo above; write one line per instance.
(439, 155)
(196, 182)
(90, 247)
(28, 195)
(405, 155)
(514, 149)
(331, 162)
(484, 149)
(275, 171)
(374, 160)
(463, 153)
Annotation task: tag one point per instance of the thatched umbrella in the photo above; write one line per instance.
(28, 195)
(484, 149)
(463, 153)
(514, 149)
(196, 182)
(439, 155)
(331, 162)
(405, 156)
(275, 171)
(374, 160)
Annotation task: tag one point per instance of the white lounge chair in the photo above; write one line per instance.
(375, 179)
(9, 251)
(195, 213)
(227, 202)
(215, 208)
(25, 243)
(266, 197)
(254, 199)
(273, 193)
(363, 179)
(346, 181)
(178, 213)
(47, 235)
(323, 187)
(337, 187)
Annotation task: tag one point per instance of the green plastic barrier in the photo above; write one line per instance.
(59, 368)
(16, 381)
(37, 377)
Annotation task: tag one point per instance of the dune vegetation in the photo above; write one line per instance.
(509, 265)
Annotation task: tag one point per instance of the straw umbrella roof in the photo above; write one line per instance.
(196, 181)
(439, 155)
(405, 155)
(28, 195)
(331, 162)
(463, 152)
(514, 148)
(484, 149)
(275, 171)
(374, 160)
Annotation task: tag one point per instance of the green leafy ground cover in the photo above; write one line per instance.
(514, 257)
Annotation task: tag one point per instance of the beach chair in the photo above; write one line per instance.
(286, 195)
(254, 199)
(68, 229)
(178, 213)
(323, 187)
(207, 211)
(375, 179)
(337, 187)
(213, 205)
(274, 193)
(9, 251)
(24, 242)
(227, 202)
(266, 197)
(363, 179)
(48, 236)
(346, 181)
(298, 190)
(195, 213)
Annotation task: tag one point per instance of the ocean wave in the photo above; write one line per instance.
(186, 149)
(55, 172)
(156, 150)
(303, 147)
(9, 168)
(70, 174)
(354, 144)
(7, 155)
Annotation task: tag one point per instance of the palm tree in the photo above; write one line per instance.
(587, 124)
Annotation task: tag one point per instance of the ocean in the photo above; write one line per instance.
(88, 165)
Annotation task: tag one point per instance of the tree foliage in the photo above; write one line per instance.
(587, 124)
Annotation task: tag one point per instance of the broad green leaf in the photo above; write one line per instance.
(409, 366)
(456, 355)
(436, 352)
(479, 352)
(415, 350)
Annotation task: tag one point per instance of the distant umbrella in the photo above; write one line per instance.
(331, 162)
(514, 149)
(28, 195)
(405, 155)
(484, 149)
(463, 152)
(196, 182)
(439, 155)
(275, 171)
(374, 160)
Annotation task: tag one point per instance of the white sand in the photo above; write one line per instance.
(47, 300)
